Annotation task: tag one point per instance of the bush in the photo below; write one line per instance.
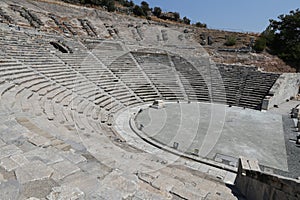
(230, 41)
(176, 16)
(186, 20)
(129, 4)
(138, 11)
(157, 11)
(260, 44)
(109, 4)
(200, 25)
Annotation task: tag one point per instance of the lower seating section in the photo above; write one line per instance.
(36, 81)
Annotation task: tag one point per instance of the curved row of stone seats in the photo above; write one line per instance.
(64, 115)
(95, 71)
(55, 72)
(245, 86)
(34, 102)
(192, 80)
(96, 45)
(53, 67)
(79, 115)
(257, 86)
(129, 71)
(14, 75)
(106, 52)
(160, 72)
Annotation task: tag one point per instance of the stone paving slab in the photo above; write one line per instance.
(9, 189)
(48, 155)
(35, 170)
(73, 157)
(8, 164)
(66, 193)
(20, 159)
(39, 141)
(63, 169)
(9, 150)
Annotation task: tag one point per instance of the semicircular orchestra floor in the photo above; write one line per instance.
(217, 132)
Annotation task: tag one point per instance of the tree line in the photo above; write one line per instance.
(143, 10)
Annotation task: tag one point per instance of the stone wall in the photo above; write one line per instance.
(255, 184)
(286, 86)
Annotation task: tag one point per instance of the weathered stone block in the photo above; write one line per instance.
(63, 169)
(66, 193)
(9, 150)
(33, 171)
(8, 164)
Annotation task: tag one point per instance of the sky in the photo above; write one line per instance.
(232, 15)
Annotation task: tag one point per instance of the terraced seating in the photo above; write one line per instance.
(110, 78)
(56, 72)
(245, 86)
(91, 67)
(161, 74)
(128, 70)
(193, 82)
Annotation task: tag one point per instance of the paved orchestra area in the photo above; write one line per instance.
(218, 132)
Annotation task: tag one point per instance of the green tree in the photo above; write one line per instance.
(200, 25)
(145, 7)
(186, 20)
(157, 11)
(283, 38)
(138, 11)
(129, 4)
(176, 16)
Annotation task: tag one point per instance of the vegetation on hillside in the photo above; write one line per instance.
(282, 38)
(143, 10)
(230, 41)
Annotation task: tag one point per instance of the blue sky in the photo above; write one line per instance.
(234, 15)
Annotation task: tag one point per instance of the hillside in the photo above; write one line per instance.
(240, 53)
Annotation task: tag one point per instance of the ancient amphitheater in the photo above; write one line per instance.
(76, 90)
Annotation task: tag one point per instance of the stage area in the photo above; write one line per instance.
(217, 132)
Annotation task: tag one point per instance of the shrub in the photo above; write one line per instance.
(230, 41)
(186, 20)
(200, 25)
(260, 44)
(138, 11)
(176, 16)
(157, 11)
